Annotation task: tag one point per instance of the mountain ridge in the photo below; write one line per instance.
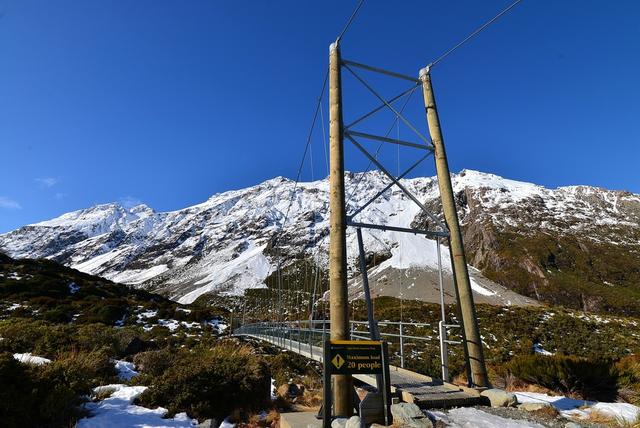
(222, 245)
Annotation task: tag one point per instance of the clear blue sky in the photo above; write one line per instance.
(168, 102)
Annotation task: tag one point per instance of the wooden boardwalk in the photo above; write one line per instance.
(411, 387)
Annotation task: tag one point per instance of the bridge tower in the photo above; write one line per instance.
(472, 339)
(339, 220)
(339, 299)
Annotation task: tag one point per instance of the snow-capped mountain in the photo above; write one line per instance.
(226, 244)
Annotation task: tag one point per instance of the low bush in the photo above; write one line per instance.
(289, 367)
(49, 395)
(211, 382)
(628, 369)
(15, 398)
(589, 379)
(154, 363)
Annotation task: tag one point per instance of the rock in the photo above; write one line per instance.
(533, 407)
(353, 422)
(405, 412)
(339, 423)
(409, 415)
(500, 398)
(572, 425)
(208, 423)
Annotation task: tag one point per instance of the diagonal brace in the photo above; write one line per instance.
(396, 182)
(389, 140)
(381, 106)
(387, 187)
(389, 106)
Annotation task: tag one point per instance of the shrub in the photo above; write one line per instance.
(211, 383)
(286, 366)
(24, 335)
(49, 395)
(591, 380)
(628, 369)
(155, 363)
(15, 400)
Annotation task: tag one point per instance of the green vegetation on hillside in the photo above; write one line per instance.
(577, 274)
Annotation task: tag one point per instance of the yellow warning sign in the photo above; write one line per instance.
(355, 357)
(337, 361)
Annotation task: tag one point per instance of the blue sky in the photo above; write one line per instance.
(169, 102)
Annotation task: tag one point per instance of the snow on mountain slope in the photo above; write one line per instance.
(225, 244)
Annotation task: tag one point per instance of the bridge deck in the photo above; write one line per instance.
(425, 391)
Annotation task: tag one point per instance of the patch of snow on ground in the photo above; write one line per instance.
(73, 288)
(14, 306)
(569, 407)
(480, 289)
(219, 324)
(623, 412)
(27, 358)
(147, 314)
(93, 265)
(138, 276)
(170, 324)
(248, 269)
(227, 424)
(538, 349)
(125, 369)
(117, 411)
(468, 417)
(560, 402)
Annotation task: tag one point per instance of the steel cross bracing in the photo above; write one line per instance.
(425, 145)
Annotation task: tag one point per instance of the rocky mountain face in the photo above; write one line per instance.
(576, 246)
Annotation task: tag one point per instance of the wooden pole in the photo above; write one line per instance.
(339, 302)
(472, 338)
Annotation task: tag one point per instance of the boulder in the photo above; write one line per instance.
(500, 398)
(409, 415)
(208, 423)
(353, 422)
(533, 407)
(339, 423)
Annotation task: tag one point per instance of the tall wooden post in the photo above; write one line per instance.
(339, 305)
(472, 339)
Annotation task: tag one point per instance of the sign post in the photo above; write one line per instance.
(353, 357)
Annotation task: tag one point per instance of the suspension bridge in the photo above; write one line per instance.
(298, 330)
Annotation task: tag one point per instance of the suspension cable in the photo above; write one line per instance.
(350, 20)
(295, 186)
(474, 33)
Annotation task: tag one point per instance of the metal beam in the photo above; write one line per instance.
(430, 233)
(388, 186)
(389, 140)
(381, 106)
(381, 71)
(373, 327)
(396, 182)
(389, 106)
